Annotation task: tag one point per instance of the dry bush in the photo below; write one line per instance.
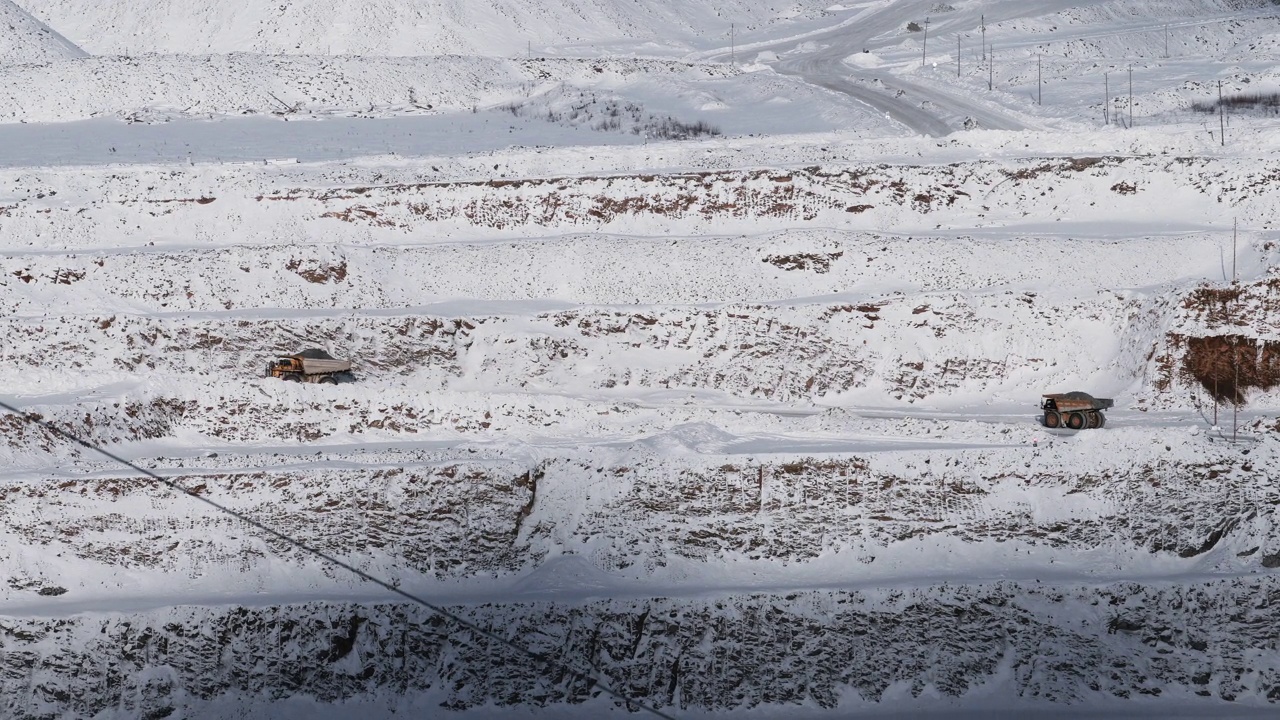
(1227, 366)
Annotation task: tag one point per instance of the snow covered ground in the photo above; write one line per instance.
(710, 369)
(28, 40)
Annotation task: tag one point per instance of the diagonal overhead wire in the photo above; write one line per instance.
(545, 662)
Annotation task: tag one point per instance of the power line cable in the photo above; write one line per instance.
(543, 660)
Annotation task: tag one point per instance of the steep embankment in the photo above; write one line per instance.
(416, 204)
(808, 649)
(27, 41)
(840, 497)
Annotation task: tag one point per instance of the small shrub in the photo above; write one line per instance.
(1265, 102)
(672, 129)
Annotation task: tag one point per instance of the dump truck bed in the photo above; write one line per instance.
(313, 366)
(1067, 402)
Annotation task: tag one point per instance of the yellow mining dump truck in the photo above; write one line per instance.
(1076, 410)
(314, 366)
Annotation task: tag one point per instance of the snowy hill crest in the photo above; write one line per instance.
(386, 27)
(27, 41)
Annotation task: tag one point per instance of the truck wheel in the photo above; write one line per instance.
(1075, 420)
(1102, 421)
(328, 380)
(1095, 420)
(291, 377)
(1052, 419)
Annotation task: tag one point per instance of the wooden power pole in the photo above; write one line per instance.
(924, 48)
(1222, 122)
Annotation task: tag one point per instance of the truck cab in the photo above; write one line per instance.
(286, 368)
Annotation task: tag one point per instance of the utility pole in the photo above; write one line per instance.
(991, 62)
(1235, 350)
(1131, 97)
(1106, 106)
(982, 23)
(1235, 390)
(957, 54)
(924, 48)
(733, 51)
(1039, 83)
(1166, 40)
(1222, 122)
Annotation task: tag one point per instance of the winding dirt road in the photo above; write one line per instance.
(820, 60)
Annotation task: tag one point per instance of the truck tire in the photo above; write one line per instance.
(1052, 419)
(1095, 420)
(1075, 420)
(328, 380)
(1102, 420)
(291, 377)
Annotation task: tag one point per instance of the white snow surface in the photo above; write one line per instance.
(27, 41)
(396, 27)
(719, 376)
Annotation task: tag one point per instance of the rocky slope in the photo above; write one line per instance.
(1037, 641)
